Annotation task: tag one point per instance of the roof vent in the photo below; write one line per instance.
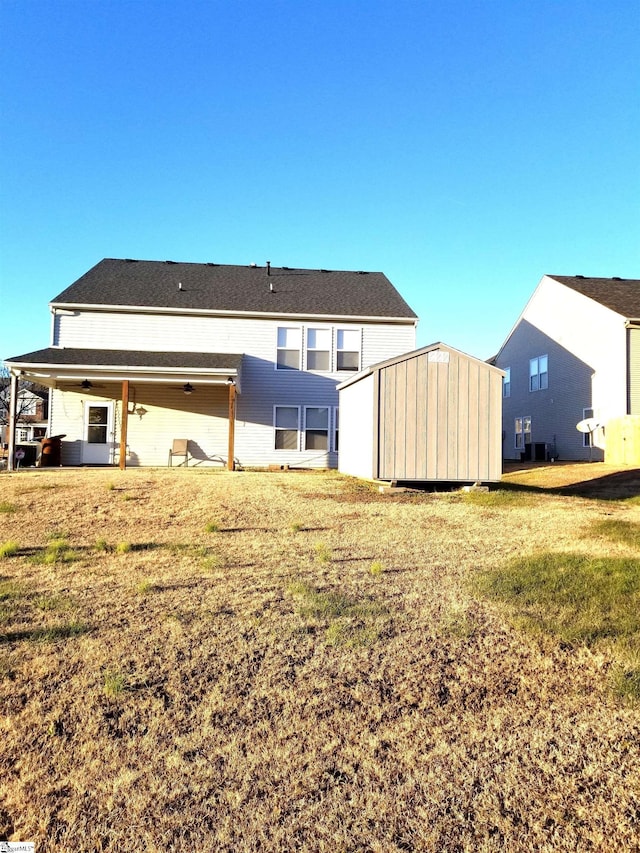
(130, 261)
(179, 285)
(579, 276)
(268, 267)
(616, 278)
(324, 270)
(171, 262)
(253, 265)
(362, 272)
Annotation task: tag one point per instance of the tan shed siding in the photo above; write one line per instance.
(633, 339)
(439, 420)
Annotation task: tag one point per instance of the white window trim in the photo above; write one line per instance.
(587, 437)
(523, 432)
(301, 331)
(276, 428)
(307, 349)
(303, 351)
(538, 373)
(304, 431)
(345, 328)
(506, 383)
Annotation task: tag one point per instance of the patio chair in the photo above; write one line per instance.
(180, 447)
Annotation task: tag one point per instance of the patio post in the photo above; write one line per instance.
(123, 426)
(232, 426)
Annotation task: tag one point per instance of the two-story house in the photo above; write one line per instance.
(572, 357)
(243, 361)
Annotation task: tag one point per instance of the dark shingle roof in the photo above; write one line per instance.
(215, 287)
(619, 294)
(130, 358)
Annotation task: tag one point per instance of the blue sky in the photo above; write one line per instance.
(463, 147)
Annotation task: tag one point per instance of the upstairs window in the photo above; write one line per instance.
(539, 373)
(289, 340)
(506, 382)
(286, 423)
(348, 349)
(316, 428)
(319, 349)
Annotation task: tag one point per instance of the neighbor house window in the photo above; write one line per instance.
(289, 340)
(316, 428)
(539, 373)
(286, 423)
(587, 437)
(522, 432)
(506, 382)
(348, 349)
(319, 349)
(336, 427)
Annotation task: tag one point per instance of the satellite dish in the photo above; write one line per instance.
(587, 425)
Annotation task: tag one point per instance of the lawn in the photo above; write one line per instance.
(204, 660)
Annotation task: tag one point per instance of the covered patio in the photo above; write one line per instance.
(96, 394)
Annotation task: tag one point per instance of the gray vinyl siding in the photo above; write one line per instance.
(633, 344)
(202, 416)
(554, 411)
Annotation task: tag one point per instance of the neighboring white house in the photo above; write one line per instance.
(573, 355)
(31, 414)
(243, 361)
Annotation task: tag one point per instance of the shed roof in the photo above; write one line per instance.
(168, 285)
(405, 356)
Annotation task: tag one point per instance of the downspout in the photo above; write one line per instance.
(13, 406)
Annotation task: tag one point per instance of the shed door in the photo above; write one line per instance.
(97, 445)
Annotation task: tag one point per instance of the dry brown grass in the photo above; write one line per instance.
(256, 687)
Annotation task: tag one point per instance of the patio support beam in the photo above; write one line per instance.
(13, 407)
(123, 427)
(232, 426)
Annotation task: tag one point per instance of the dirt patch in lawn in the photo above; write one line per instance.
(250, 661)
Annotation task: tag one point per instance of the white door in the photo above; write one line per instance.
(97, 446)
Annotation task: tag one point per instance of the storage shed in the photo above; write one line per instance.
(434, 414)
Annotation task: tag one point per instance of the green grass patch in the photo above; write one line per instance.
(123, 547)
(10, 590)
(52, 603)
(9, 549)
(349, 621)
(322, 552)
(212, 527)
(57, 551)
(5, 506)
(495, 499)
(618, 530)
(576, 598)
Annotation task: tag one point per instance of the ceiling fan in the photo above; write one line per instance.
(86, 385)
